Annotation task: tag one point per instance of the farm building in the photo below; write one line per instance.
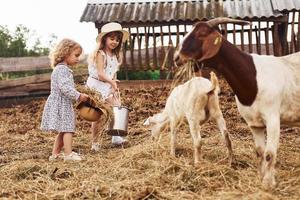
(157, 26)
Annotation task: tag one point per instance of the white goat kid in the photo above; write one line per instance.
(197, 101)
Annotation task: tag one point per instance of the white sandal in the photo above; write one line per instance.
(54, 157)
(118, 140)
(73, 157)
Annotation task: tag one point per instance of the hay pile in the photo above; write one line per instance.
(144, 170)
(98, 102)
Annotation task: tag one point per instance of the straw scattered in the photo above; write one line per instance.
(145, 169)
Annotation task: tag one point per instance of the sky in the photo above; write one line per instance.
(46, 17)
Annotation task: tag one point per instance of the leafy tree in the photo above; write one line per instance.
(5, 39)
(16, 44)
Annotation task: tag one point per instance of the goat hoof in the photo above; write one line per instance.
(231, 161)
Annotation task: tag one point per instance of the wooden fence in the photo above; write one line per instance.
(39, 84)
(152, 48)
(272, 36)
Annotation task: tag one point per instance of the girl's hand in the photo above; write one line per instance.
(83, 97)
(114, 84)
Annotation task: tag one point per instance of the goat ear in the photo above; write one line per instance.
(211, 45)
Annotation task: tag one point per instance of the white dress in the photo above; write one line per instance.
(110, 68)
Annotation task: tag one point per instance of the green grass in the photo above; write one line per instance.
(139, 75)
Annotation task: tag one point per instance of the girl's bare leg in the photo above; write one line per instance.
(95, 132)
(58, 144)
(68, 139)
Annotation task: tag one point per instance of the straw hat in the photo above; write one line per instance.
(88, 112)
(112, 27)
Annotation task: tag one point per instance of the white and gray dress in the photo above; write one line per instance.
(110, 68)
(58, 112)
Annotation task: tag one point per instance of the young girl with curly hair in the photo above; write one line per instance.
(58, 114)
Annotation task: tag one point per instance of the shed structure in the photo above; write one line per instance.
(157, 26)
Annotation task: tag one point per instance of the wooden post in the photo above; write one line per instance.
(267, 39)
(258, 44)
(250, 39)
(171, 51)
(276, 40)
(298, 33)
(154, 49)
(170, 38)
(177, 35)
(282, 33)
(124, 60)
(161, 36)
(162, 52)
(234, 34)
(242, 38)
(131, 42)
(139, 40)
(147, 64)
(292, 45)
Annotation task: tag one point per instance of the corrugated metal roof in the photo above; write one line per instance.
(281, 5)
(166, 11)
(126, 1)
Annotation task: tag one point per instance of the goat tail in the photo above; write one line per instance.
(215, 82)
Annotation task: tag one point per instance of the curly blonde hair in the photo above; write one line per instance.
(62, 50)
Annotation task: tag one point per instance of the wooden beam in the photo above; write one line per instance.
(24, 64)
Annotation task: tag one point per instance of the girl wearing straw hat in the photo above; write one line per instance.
(104, 62)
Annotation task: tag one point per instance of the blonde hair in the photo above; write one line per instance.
(62, 50)
(101, 45)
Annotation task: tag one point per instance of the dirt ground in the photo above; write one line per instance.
(143, 169)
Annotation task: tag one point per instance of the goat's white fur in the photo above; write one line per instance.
(277, 102)
(197, 101)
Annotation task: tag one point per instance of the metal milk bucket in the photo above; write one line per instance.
(119, 124)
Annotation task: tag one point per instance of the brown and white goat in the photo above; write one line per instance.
(267, 88)
(196, 100)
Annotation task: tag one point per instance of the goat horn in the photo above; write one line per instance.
(224, 20)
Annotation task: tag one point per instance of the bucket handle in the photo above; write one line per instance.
(117, 96)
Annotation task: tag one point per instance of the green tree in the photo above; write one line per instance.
(16, 44)
(5, 39)
(17, 47)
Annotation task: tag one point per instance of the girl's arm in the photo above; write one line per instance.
(66, 84)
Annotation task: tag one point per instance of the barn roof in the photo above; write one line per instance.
(157, 11)
(286, 5)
